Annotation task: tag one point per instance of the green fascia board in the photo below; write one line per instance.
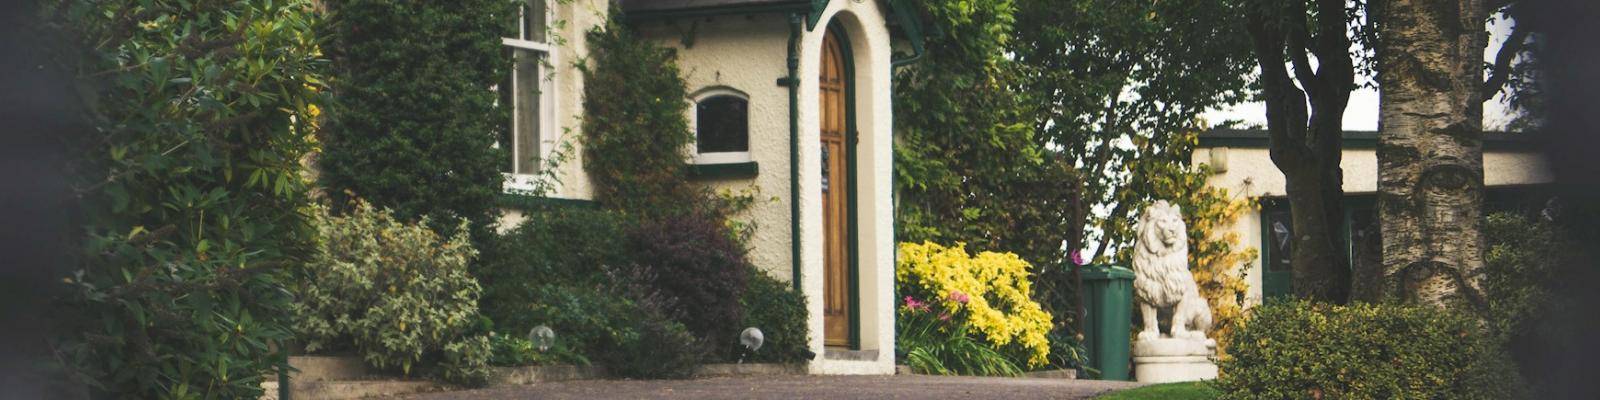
(528, 202)
(817, 6)
(1105, 272)
(744, 170)
(910, 23)
(780, 8)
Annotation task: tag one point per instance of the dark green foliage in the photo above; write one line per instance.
(555, 245)
(969, 165)
(1295, 350)
(780, 313)
(190, 191)
(1534, 272)
(570, 269)
(414, 122)
(634, 128)
(513, 350)
(698, 267)
(1521, 267)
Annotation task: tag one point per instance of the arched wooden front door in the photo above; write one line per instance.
(833, 89)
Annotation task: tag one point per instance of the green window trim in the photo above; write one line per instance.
(725, 171)
(528, 202)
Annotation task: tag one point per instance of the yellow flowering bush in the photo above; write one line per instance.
(989, 294)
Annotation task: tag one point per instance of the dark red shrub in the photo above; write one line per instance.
(699, 266)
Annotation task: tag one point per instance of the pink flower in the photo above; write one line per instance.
(957, 296)
(944, 317)
(912, 303)
(1077, 257)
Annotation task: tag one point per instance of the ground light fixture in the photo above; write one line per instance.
(542, 337)
(751, 338)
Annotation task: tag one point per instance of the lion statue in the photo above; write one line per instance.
(1162, 281)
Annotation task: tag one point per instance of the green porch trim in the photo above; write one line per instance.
(792, 82)
(525, 201)
(901, 12)
(744, 170)
(817, 6)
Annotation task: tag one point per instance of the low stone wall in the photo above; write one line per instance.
(347, 377)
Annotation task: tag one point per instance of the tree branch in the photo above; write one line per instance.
(1500, 72)
(1302, 65)
(1298, 40)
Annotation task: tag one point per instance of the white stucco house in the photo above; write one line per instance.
(790, 98)
(1516, 176)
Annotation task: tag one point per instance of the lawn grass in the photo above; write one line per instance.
(1166, 391)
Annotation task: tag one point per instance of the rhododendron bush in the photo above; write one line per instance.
(987, 297)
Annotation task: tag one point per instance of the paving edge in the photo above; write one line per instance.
(710, 370)
(544, 373)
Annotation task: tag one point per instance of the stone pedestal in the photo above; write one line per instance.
(1174, 360)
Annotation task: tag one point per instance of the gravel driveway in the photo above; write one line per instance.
(800, 387)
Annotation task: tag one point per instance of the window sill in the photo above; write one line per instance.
(528, 202)
(723, 171)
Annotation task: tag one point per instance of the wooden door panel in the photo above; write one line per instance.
(835, 196)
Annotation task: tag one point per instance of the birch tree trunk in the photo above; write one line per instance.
(1430, 150)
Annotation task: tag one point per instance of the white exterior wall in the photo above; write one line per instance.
(1250, 173)
(748, 53)
(863, 23)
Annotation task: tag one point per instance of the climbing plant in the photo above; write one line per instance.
(634, 128)
(189, 190)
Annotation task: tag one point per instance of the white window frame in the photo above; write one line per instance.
(730, 157)
(549, 101)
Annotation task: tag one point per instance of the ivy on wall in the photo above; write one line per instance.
(634, 128)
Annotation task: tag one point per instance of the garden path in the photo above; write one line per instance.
(799, 387)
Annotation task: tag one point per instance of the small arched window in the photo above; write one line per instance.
(722, 128)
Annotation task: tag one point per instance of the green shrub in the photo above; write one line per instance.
(1520, 267)
(511, 350)
(397, 293)
(780, 313)
(413, 125)
(1533, 278)
(651, 341)
(1288, 350)
(556, 246)
(187, 188)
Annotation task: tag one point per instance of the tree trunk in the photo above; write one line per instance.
(1307, 144)
(1430, 150)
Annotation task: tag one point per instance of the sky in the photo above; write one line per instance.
(1362, 112)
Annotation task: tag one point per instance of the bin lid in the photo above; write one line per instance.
(1105, 272)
